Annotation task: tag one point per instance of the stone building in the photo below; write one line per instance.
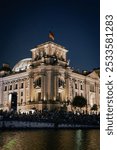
(46, 80)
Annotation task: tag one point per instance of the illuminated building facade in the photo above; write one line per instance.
(46, 80)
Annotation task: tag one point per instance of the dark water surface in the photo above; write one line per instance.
(50, 140)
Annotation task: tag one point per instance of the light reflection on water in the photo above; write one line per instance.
(50, 140)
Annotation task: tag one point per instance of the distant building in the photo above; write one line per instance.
(46, 80)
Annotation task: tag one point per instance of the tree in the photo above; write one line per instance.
(94, 107)
(79, 101)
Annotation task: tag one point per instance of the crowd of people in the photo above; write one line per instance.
(53, 116)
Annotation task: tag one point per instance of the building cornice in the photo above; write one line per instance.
(47, 44)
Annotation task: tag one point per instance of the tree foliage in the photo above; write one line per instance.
(79, 101)
(94, 107)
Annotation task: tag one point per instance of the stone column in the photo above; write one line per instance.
(45, 87)
(24, 91)
(87, 90)
(18, 97)
(27, 91)
(84, 90)
(70, 89)
(79, 87)
(55, 86)
(50, 85)
(42, 86)
(31, 90)
(67, 88)
(1, 92)
(96, 93)
(7, 93)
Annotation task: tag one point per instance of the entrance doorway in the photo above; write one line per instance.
(13, 101)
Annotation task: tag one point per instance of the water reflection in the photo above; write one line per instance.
(50, 140)
(87, 140)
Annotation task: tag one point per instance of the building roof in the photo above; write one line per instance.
(22, 65)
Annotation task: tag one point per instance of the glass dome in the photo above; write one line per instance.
(22, 65)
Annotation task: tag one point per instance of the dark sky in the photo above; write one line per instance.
(26, 23)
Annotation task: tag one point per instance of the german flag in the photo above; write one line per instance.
(51, 35)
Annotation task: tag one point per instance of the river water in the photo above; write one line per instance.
(50, 140)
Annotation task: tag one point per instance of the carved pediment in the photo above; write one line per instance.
(93, 75)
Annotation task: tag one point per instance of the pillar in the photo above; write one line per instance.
(1, 93)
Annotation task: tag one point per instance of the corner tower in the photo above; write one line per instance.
(49, 53)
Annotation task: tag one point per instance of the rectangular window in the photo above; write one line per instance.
(22, 85)
(16, 86)
(21, 101)
(81, 87)
(10, 88)
(75, 85)
(39, 82)
(5, 88)
(21, 93)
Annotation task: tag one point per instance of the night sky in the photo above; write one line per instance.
(25, 24)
